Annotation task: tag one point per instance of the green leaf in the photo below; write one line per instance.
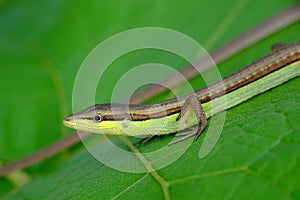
(42, 45)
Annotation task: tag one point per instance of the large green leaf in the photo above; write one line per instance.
(42, 45)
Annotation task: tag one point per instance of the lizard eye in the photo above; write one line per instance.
(97, 118)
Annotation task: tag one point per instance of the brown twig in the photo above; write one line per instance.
(254, 34)
(43, 153)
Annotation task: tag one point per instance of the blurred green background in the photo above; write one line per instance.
(42, 44)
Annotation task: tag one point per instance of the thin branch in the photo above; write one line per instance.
(43, 153)
(254, 34)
